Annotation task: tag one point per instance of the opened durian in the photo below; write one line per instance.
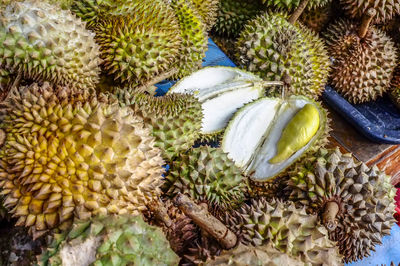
(355, 203)
(207, 174)
(274, 49)
(292, 4)
(386, 10)
(110, 240)
(208, 10)
(42, 42)
(67, 155)
(268, 135)
(363, 63)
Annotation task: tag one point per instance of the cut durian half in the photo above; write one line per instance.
(221, 91)
(257, 130)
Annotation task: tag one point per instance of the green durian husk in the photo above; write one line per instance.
(208, 10)
(291, 5)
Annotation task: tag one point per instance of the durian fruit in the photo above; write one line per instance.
(267, 136)
(6, 79)
(293, 4)
(394, 93)
(174, 119)
(92, 10)
(386, 10)
(201, 250)
(67, 155)
(206, 174)
(356, 203)
(362, 66)
(234, 14)
(194, 36)
(290, 230)
(110, 240)
(38, 46)
(221, 92)
(208, 10)
(139, 45)
(274, 49)
(317, 19)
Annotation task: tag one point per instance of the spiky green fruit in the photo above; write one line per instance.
(292, 4)
(286, 228)
(194, 36)
(276, 50)
(91, 10)
(386, 10)
(174, 119)
(208, 10)
(110, 240)
(207, 174)
(38, 47)
(364, 198)
(67, 155)
(233, 15)
(362, 67)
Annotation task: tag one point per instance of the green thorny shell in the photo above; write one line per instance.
(272, 48)
(290, 5)
(141, 45)
(208, 10)
(364, 195)
(115, 240)
(386, 10)
(233, 15)
(37, 46)
(207, 174)
(362, 68)
(286, 228)
(67, 155)
(194, 36)
(174, 119)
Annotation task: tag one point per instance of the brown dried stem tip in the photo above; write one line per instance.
(160, 212)
(366, 21)
(206, 221)
(299, 10)
(329, 215)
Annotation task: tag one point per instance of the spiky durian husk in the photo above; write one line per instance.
(394, 93)
(318, 18)
(364, 196)
(386, 10)
(91, 10)
(208, 10)
(207, 174)
(286, 228)
(66, 155)
(194, 36)
(289, 5)
(201, 250)
(174, 119)
(273, 48)
(233, 15)
(38, 47)
(362, 68)
(110, 240)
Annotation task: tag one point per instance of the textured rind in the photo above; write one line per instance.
(318, 18)
(38, 47)
(66, 154)
(362, 68)
(139, 45)
(286, 228)
(290, 5)
(174, 119)
(273, 48)
(194, 38)
(386, 10)
(364, 195)
(208, 10)
(91, 10)
(122, 240)
(207, 174)
(394, 93)
(233, 15)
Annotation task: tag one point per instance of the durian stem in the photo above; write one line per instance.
(299, 10)
(158, 79)
(329, 215)
(206, 221)
(366, 21)
(160, 212)
(2, 137)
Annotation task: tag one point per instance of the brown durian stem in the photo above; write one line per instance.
(158, 79)
(160, 212)
(2, 137)
(206, 221)
(366, 21)
(329, 215)
(299, 10)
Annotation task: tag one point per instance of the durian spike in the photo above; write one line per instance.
(206, 221)
(329, 215)
(297, 13)
(2, 137)
(366, 21)
(158, 79)
(17, 81)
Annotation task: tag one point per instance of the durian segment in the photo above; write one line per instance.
(207, 174)
(386, 10)
(221, 91)
(42, 42)
(289, 5)
(208, 10)
(274, 49)
(252, 135)
(362, 68)
(68, 155)
(110, 240)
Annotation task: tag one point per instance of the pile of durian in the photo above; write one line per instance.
(231, 166)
